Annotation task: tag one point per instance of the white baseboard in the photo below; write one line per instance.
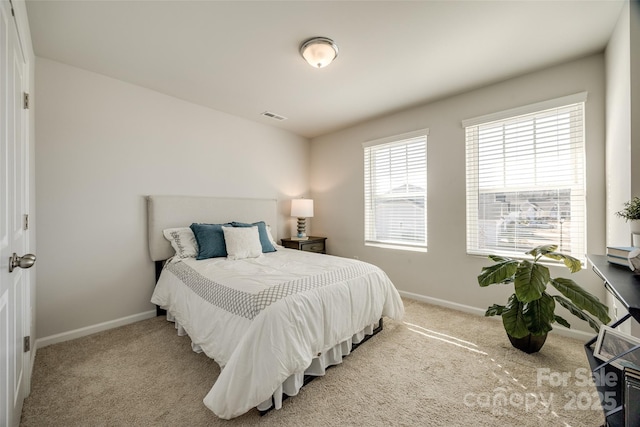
(557, 329)
(77, 333)
(573, 333)
(443, 303)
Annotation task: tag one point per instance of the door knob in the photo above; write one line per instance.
(24, 261)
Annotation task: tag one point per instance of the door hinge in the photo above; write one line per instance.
(26, 221)
(27, 344)
(26, 101)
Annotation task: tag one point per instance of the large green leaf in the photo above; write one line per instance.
(562, 321)
(497, 273)
(542, 250)
(494, 310)
(581, 298)
(538, 314)
(498, 258)
(573, 309)
(573, 264)
(530, 281)
(512, 318)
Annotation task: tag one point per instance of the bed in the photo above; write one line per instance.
(269, 318)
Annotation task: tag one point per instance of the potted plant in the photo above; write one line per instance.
(631, 212)
(530, 311)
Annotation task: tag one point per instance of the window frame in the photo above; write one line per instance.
(369, 213)
(474, 194)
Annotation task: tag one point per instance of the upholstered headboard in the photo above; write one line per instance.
(181, 211)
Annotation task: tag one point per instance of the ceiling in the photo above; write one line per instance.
(241, 57)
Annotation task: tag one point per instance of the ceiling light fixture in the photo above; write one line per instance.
(319, 51)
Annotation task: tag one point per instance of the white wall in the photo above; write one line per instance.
(618, 129)
(102, 145)
(634, 74)
(446, 272)
(622, 59)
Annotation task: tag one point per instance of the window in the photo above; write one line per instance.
(395, 191)
(525, 179)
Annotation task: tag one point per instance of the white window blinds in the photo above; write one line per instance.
(395, 188)
(525, 180)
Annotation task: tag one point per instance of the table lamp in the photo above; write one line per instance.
(302, 209)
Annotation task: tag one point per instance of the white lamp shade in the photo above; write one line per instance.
(302, 208)
(319, 51)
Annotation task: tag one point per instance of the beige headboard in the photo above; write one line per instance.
(181, 211)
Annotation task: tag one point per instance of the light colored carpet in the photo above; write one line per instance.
(438, 367)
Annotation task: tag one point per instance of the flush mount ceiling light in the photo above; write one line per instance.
(319, 51)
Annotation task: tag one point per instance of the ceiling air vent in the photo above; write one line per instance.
(273, 116)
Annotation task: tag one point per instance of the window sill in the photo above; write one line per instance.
(396, 247)
(543, 260)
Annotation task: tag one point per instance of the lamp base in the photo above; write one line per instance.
(299, 238)
(302, 225)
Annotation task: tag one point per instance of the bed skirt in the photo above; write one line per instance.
(292, 385)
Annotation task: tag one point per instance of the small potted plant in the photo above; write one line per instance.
(631, 212)
(530, 311)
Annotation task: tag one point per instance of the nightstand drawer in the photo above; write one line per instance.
(313, 244)
(312, 247)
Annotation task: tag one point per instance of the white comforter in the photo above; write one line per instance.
(266, 318)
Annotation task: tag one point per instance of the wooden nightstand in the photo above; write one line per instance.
(312, 244)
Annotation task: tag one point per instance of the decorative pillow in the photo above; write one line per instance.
(210, 240)
(270, 236)
(182, 241)
(267, 246)
(242, 242)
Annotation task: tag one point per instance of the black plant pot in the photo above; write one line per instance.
(529, 344)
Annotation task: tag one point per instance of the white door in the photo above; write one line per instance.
(15, 295)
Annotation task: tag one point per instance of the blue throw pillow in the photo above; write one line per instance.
(210, 238)
(262, 232)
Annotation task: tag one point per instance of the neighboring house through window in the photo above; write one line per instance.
(395, 188)
(525, 179)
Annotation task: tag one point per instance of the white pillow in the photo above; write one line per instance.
(242, 242)
(271, 239)
(183, 241)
